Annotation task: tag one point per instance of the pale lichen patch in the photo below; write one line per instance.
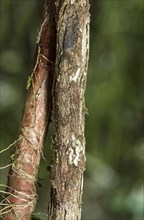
(57, 156)
(76, 76)
(75, 151)
(27, 157)
(72, 2)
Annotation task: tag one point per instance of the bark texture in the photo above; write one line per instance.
(21, 190)
(68, 143)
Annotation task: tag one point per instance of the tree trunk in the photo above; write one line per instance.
(21, 189)
(68, 144)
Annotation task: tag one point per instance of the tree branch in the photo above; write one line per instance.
(21, 190)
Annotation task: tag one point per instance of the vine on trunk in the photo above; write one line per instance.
(21, 196)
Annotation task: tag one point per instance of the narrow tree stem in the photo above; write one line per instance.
(68, 144)
(21, 190)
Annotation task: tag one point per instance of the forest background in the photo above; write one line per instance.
(114, 126)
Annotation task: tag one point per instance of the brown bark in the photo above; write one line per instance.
(22, 177)
(68, 144)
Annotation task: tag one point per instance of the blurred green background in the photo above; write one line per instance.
(114, 127)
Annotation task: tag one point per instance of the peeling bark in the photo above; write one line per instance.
(22, 177)
(68, 143)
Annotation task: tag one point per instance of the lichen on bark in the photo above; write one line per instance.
(68, 145)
